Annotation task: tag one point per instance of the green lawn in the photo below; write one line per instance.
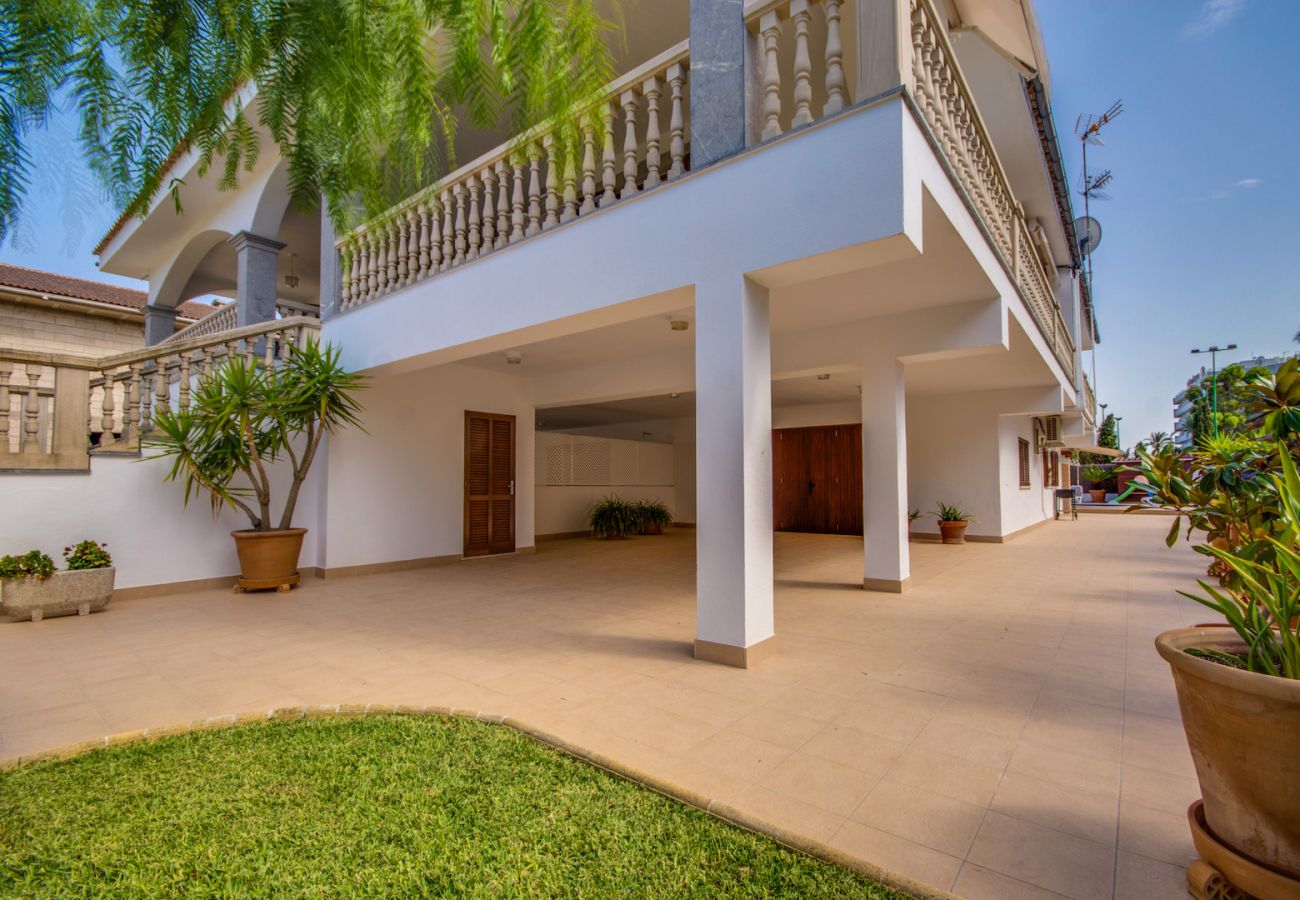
(374, 807)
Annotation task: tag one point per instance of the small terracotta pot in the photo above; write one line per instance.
(1243, 730)
(1098, 496)
(268, 559)
(953, 532)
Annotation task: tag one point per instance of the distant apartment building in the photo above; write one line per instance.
(1183, 406)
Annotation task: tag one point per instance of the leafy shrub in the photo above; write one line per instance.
(951, 512)
(654, 515)
(33, 564)
(913, 515)
(1094, 475)
(614, 517)
(88, 555)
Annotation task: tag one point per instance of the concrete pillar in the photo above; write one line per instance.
(159, 324)
(331, 269)
(717, 83)
(733, 457)
(884, 475)
(255, 277)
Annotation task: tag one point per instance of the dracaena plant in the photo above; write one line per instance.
(245, 417)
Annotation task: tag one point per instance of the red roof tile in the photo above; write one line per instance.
(65, 286)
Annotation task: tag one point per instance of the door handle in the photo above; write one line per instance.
(512, 489)
(811, 485)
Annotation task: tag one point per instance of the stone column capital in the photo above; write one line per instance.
(243, 239)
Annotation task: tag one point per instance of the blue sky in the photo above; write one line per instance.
(1202, 236)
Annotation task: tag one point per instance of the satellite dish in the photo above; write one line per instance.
(1089, 231)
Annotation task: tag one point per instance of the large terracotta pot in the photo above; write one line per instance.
(1097, 496)
(268, 559)
(953, 532)
(1243, 730)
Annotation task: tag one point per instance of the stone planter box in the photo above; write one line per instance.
(82, 591)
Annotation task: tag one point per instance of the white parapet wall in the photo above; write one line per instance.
(575, 471)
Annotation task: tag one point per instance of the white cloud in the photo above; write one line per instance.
(1244, 184)
(1248, 183)
(1214, 15)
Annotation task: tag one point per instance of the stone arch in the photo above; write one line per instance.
(175, 286)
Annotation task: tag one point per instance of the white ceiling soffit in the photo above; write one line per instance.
(1011, 26)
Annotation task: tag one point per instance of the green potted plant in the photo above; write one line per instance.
(952, 523)
(654, 516)
(31, 588)
(614, 519)
(1239, 686)
(241, 420)
(1095, 475)
(912, 516)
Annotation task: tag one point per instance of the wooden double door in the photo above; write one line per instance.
(489, 483)
(817, 479)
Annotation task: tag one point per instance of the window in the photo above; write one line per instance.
(1024, 463)
(1051, 468)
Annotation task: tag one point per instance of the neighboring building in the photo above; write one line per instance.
(810, 290)
(1183, 406)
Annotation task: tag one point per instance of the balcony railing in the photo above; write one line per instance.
(52, 404)
(634, 139)
(1089, 404)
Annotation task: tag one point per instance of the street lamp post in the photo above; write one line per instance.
(1214, 378)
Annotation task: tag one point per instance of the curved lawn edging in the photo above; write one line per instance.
(719, 810)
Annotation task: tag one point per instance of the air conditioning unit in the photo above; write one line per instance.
(1052, 432)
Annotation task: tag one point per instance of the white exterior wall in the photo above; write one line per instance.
(1021, 507)
(152, 537)
(952, 457)
(396, 490)
(849, 413)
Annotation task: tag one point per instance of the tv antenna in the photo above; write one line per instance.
(1094, 186)
(1088, 129)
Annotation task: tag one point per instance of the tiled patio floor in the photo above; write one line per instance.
(1004, 729)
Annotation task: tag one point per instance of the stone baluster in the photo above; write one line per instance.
(381, 240)
(676, 122)
(608, 178)
(836, 89)
(6, 371)
(422, 247)
(435, 236)
(652, 88)
(448, 230)
(489, 180)
(629, 143)
(462, 226)
(534, 189)
(361, 284)
(183, 381)
(161, 393)
(207, 361)
(31, 442)
(552, 180)
(413, 242)
(769, 27)
(269, 349)
(107, 409)
(517, 200)
(475, 220)
(502, 169)
(345, 274)
(393, 282)
(146, 401)
(588, 165)
(570, 182)
(131, 415)
(401, 270)
(801, 14)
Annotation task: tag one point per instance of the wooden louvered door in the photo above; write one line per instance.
(817, 479)
(489, 483)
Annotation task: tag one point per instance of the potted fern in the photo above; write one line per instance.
(31, 588)
(654, 515)
(614, 519)
(241, 420)
(953, 521)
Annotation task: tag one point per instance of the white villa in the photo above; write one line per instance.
(810, 267)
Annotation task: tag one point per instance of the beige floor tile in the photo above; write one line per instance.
(896, 854)
(992, 750)
(930, 819)
(1155, 834)
(944, 774)
(747, 758)
(1159, 790)
(784, 728)
(780, 808)
(1090, 815)
(977, 883)
(1073, 770)
(853, 748)
(1046, 858)
(820, 782)
(1140, 878)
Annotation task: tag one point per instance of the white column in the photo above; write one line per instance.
(884, 475)
(733, 453)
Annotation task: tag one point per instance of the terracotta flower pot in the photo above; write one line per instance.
(268, 559)
(1243, 730)
(953, 532)
(1098, 496)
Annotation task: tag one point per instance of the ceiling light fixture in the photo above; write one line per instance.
(514, 357)
(824, 376)
(674, 395)
(677, 323)
(291, 280)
